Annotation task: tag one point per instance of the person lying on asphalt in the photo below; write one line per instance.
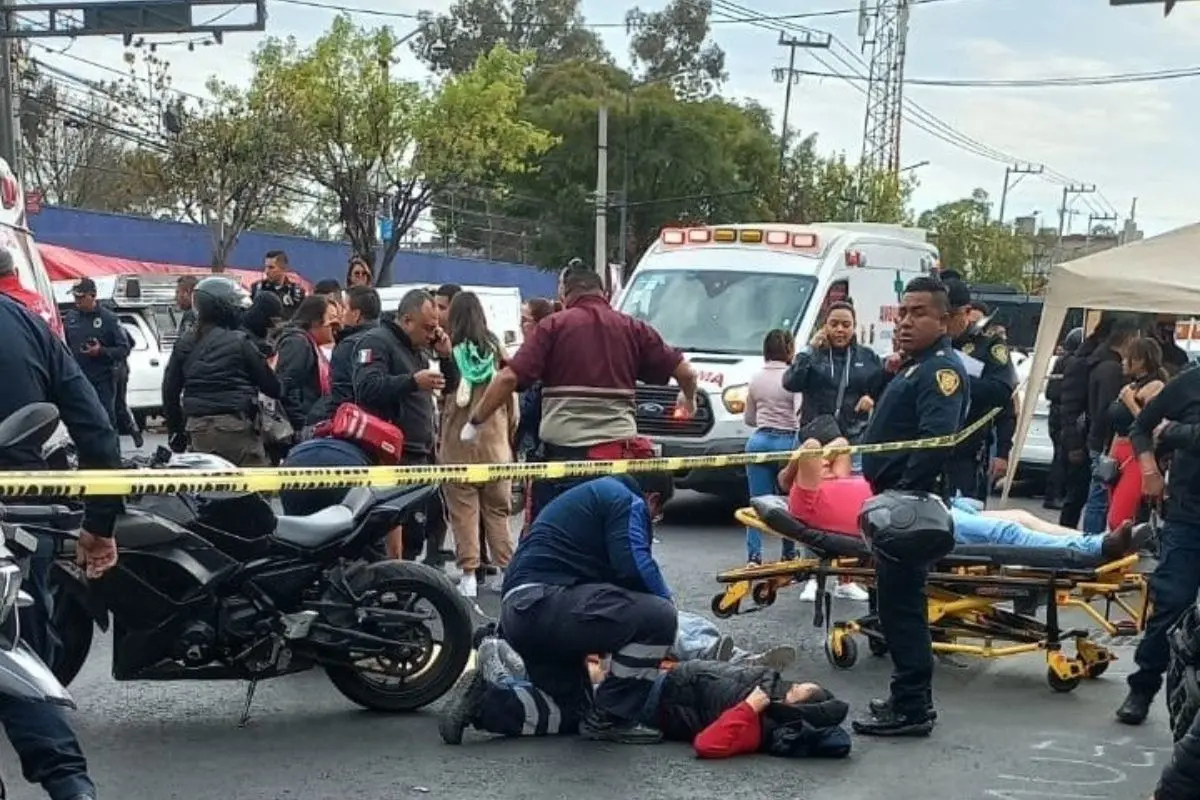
(825, 496)
(723, 709)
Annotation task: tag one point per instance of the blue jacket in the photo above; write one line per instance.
(105, 327)
(38, 369)
(596, 532)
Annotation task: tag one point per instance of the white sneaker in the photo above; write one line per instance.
(809, 593)
(496, 582)
(467, 585)
(851, 591)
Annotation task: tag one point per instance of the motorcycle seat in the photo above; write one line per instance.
(315, 530)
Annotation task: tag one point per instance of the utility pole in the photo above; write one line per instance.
(1020, 170)
(790, 77)
(602, 196)
(1072, 189)
(1094, 218)
(9, 108)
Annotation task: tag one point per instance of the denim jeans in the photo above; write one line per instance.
(1095, 510)
(972, 528)
(1173, 587)
(763, 481)
(47, 747)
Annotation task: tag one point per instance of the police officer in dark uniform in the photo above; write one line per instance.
(993, 379)
(1181, 778)
(927, 397)
(36, 367)
(99, 343)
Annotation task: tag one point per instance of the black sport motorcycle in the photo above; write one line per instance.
(216, 586)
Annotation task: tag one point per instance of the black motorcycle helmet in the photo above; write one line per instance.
(1073, 339)
(218, 301)
(907, 527)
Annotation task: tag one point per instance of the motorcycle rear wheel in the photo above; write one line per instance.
(435, 678)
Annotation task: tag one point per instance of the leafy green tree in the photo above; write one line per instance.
(817, 188)
(700, 161)
(674, 43)
(551, 29)
(386, 148)
(969, 241)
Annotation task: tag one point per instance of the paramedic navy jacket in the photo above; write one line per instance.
(927, 397)
(1179, 402)
(104, 326)
(596, 532)
(38, 369)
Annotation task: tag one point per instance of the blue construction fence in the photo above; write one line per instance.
(165, 242)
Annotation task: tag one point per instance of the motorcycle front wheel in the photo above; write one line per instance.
(421, 667)
(74, 627)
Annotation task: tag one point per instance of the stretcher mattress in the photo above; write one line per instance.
(773, 510)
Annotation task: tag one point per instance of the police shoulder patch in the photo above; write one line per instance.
(1000, 353)
(968, 348)
(947, 381)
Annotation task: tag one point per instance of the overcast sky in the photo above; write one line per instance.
(1134, 140)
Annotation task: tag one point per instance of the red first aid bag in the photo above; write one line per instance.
(381, 440)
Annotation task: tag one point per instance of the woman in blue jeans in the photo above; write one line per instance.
(771, 411)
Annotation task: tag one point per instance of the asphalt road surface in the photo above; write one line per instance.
(1003, 734)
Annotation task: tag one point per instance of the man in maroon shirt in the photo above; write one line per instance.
(589, 359)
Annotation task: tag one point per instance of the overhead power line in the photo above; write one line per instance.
(915, 114)
(1033, 83)
(342, 8)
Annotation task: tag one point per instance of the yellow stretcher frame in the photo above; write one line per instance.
(963, 608)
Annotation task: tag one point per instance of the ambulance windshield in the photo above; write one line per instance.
(718, 311)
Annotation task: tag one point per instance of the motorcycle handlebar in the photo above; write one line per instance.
(37, 514)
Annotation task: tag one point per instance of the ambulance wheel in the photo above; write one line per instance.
(1096, 670)
(721, 612)
(763, 594)
(847, 658)
(877, 646)
(1061, 685)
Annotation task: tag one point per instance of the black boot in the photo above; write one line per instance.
(603, 727)
(880, 706)
(887, 722)
(1136, 707)
(462, 708)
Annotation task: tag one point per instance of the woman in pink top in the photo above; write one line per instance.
(771, 411)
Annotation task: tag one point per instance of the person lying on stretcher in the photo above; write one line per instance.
(724, 709)
(825, 496)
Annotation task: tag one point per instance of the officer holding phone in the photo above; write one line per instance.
(95, 336)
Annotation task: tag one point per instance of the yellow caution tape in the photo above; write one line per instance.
(169, 481)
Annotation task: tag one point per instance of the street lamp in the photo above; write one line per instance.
(912, 167)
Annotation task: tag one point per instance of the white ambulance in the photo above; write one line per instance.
(715, 292)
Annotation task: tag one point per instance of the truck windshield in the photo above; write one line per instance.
(718, 311)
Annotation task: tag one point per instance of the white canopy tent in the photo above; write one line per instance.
(1159, 275)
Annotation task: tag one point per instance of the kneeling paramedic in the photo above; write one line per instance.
(582, 581)
(926, 398)
(723, 709)
(1181, 778)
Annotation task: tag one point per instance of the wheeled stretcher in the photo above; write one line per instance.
(965, 593)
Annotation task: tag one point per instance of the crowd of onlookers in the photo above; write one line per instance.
(263, 385)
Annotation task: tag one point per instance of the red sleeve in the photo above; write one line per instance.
(657, 360)
(736, 732)
(529, 362)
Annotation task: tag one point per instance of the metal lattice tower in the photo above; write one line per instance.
(883, 27)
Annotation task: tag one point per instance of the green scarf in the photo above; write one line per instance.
(476, 367)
